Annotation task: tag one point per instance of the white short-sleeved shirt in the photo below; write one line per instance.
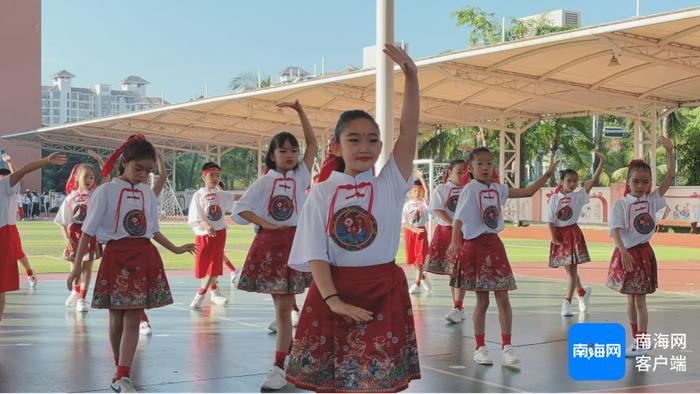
(119, 210)
(479, 208)
(634, 216)
(275, 197)
(209, 205)
(6, 199)
(341, 203)
(445, 197)
(13, 208)
(74, 208)
(415, 213)
(565, 208)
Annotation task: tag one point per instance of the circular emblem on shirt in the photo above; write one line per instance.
(644, 223)
(79, 213)
(491, 216)
(282, 208)
(135, 223)
(352, 230)
(452, 203)
(214, 213)
(416, 216)
(565, 213)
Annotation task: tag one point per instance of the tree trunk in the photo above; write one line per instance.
(598, 140)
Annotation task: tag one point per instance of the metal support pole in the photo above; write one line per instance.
(385, 79)
(174, 172)
(218, 154)
(259, 161)
(653, 144)
(638, 136)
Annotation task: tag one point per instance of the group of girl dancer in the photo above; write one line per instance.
(340, 237)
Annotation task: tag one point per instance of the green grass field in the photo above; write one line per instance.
(43, 244)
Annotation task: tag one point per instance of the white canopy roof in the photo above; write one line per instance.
(560, 75)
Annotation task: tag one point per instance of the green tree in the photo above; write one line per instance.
(248, 81)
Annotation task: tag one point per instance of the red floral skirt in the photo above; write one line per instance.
(416, 246)
(438, 262)
(482, 265)
(209, 259)
(16, 242)
(573, 249)
(94, 252)
(331, 355)
(9, 274)
(131, 276)
(266, 270)
(642, 279)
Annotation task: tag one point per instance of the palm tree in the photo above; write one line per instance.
(248, 81)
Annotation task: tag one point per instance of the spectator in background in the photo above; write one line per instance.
(36, 205)
(45, 202)
(27, 204)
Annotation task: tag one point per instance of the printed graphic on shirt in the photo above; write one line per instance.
(135, 223)
(79, 213)
(282, 208)
(451, 203)
(489, 199)
(214, 213)
(352, 231)
(643, 222)
(415, 214)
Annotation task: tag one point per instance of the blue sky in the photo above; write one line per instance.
(177, 45)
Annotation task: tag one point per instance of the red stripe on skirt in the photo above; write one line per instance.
(331, 355)
(9, 273)
(482, 265)
(131, 276)
(643, 279)
(572, 250)
(266, 270)
(209, 259)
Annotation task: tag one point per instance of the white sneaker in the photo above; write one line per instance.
(197, 301)
(296, 315)
(482, 356)
(566, 308)
(123, 385)
(72, 297)
(218, 299)
(584, 302)
(414, 289)
(234, 275)
(633, 351)
(455, 316)
(81, 305)
(32, 281)
(425, 283)
(272, 326)
(509, 356)
(274, 380)
(145, 328)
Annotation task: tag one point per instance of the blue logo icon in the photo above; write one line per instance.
(597, 351)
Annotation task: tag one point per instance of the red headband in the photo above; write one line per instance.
(211, 169)
(629, 167)
(71, 184)
(107, 168)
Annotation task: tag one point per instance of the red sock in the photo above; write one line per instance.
(295, 307)
(634, 330)
(144, 317)
(229, 265)
(76, 288)
(30, 272)
(213, 286)
(506, 340)
(417, 282)
(202, 291)
(122, 372)
(82, 294)
(422, 276)
(480, 340)
(581, 292)
(568, 299)
(279, 359)
(458, 305)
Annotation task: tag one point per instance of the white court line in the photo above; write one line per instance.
(226, 319)
(423, 366)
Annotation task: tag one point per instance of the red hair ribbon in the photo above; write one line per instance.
(627, 185)
(107, 168)
(557, 189)
(330, 164)
(72, 182)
